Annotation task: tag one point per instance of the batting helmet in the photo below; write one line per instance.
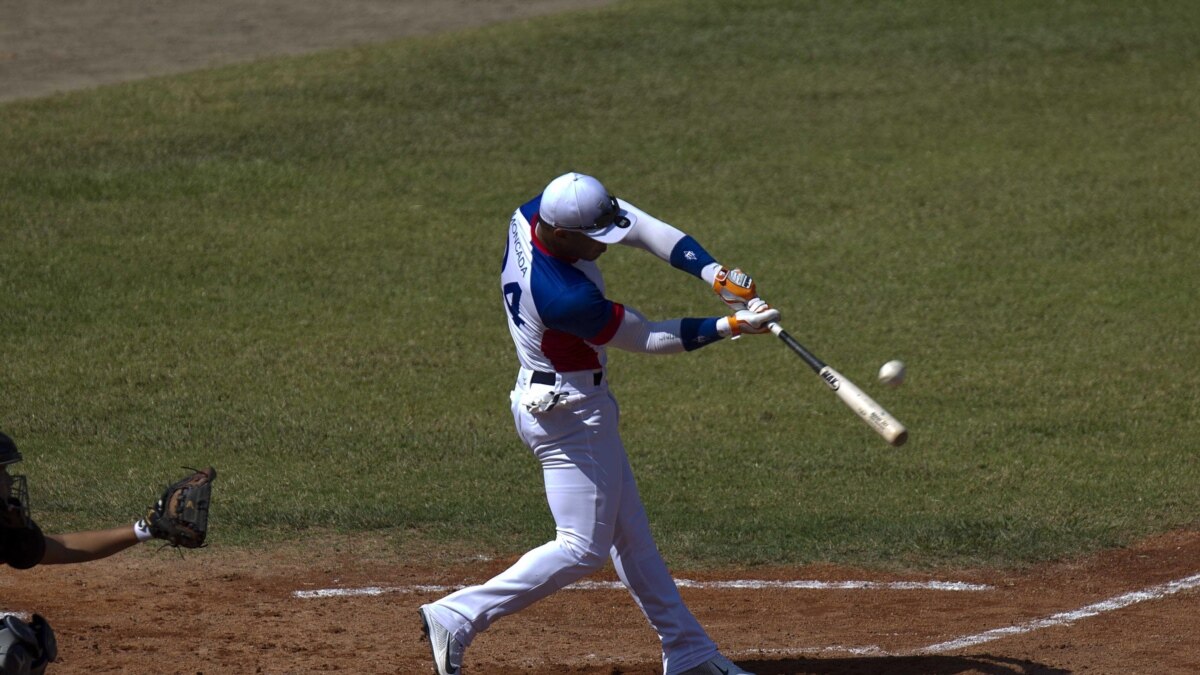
(577, 202)
(9, 454)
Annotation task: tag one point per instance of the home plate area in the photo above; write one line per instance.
(351, 606)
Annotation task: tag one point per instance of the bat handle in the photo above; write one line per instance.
(813, 362)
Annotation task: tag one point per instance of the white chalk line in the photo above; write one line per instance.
(1059, 619)
(750, 584)
(865, 650)
(1067, 618)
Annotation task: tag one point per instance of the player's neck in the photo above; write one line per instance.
(545, 237)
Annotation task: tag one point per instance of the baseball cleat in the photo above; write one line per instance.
(447, 652)
(717, 665)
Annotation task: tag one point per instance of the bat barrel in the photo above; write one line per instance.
(866, 408)
(856, 399)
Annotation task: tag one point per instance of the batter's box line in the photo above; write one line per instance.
(1067, 618)
(791, 652)
(741, 584)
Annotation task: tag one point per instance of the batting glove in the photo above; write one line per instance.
(746, 321)
(737, 289)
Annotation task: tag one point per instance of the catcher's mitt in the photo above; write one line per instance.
(181, 515)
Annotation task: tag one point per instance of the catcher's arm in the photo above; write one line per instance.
(180, 516)
(77, 547)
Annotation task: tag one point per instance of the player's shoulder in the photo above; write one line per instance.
(530, 208)
(557, 276)
(561, 290)
(573, 307)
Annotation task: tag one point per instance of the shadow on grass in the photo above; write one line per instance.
(903, 665)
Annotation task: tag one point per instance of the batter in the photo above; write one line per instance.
(561, 323)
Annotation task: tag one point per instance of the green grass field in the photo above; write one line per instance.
(289, 270)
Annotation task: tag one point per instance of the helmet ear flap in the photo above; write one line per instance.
(22, 546)
(9, 454)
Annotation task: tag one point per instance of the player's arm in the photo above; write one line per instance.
(638, 334)
(668, 243)
(77, 547)
(584, 312)
(180, 517)
(683, 252)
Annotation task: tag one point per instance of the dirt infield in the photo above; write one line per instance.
(238, 612)
(48, 47)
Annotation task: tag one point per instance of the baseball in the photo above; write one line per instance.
(892, 373)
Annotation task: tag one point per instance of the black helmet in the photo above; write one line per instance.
(9, 454)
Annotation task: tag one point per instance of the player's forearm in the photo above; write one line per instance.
(76, 547)
(637, 334)
(670, 244)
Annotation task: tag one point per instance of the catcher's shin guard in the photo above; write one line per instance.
(26, 648)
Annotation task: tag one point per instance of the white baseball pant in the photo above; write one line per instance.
(597, 513)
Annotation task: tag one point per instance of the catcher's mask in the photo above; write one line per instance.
(18, 498)
(18, 489)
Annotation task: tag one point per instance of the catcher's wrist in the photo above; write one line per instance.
(141, 531)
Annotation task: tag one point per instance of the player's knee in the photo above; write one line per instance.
(586, 553)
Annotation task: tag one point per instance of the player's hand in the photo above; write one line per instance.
(738, 290)
(181, 515)
(748, 321)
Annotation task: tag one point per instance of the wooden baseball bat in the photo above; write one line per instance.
(864, 406)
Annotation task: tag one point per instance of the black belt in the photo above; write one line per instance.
(543, 377)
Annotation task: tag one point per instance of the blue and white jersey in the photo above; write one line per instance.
(557, 313)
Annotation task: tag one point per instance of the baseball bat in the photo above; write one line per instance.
(864, 406)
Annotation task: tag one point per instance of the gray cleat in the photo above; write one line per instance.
(447, 652)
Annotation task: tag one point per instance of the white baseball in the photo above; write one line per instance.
(892, 373)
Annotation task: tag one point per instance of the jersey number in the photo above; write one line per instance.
(512, 298)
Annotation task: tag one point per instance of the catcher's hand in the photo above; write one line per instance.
(181, 515)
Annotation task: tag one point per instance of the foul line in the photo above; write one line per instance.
(1067, 618)
(682, 583)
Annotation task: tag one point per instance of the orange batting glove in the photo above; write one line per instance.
(737, 290)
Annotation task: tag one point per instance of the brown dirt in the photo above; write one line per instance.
(232, 611)
(235, 612)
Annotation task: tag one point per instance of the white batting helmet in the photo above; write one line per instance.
(574, 201)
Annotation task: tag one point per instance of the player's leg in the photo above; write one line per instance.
(583, 478)
(643, 571)
(641, 568)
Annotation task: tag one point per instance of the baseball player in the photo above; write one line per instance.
(561, 323)
(26, 649)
